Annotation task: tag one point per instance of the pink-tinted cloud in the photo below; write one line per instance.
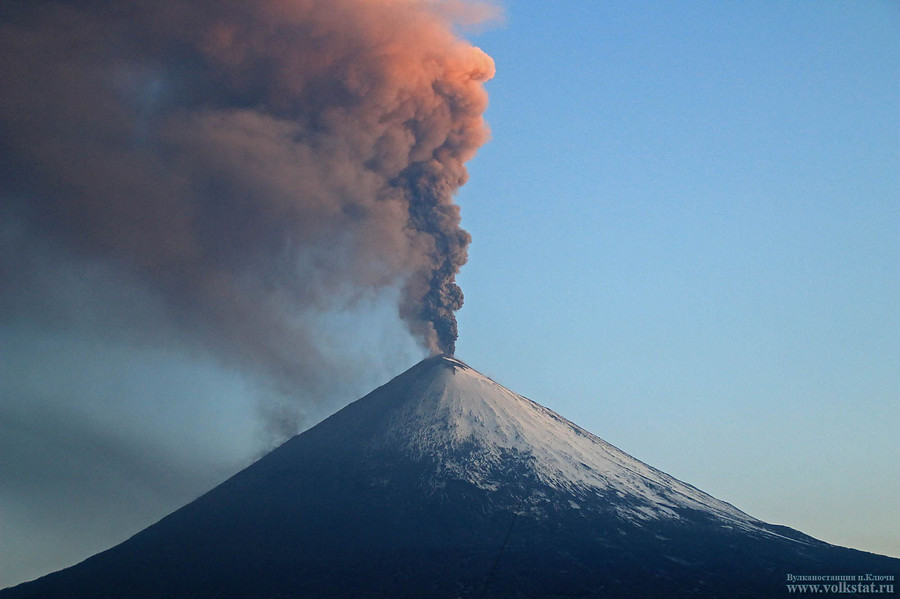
(248, 161)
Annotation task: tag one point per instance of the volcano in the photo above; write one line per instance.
(443, 483)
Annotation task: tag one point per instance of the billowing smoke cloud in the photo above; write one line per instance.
(211, 213)
(250, 162)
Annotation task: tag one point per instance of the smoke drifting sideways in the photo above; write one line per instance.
(248, 162)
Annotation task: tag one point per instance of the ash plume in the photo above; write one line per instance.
(249, 162)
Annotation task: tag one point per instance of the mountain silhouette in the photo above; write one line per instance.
(443, 483)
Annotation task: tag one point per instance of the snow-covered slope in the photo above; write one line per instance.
(475, 428)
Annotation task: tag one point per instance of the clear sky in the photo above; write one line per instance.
(686, 239)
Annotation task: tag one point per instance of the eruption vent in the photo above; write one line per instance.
(248, 161)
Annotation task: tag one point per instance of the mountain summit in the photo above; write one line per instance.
(443, 483)
(477, 431)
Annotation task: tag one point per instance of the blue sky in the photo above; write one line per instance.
(686, 238)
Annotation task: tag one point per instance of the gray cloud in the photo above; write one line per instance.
(204, 203)
(248, 162)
